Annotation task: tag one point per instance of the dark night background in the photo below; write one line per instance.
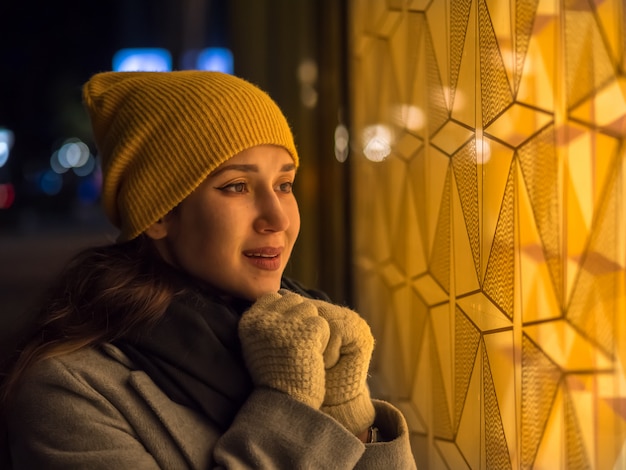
(48, 49)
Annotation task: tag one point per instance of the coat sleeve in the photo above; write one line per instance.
(395, 451)
(272, 430)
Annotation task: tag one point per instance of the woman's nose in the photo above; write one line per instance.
(272, 216)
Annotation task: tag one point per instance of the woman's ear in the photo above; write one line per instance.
(157, 230)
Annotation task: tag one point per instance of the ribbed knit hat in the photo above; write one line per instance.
(160, 134)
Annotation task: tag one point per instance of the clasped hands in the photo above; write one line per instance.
(314, 351)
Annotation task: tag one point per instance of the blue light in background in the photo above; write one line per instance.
(50, 183)
(6, 142)
(218, 59)
(142, 59)
(88, 191)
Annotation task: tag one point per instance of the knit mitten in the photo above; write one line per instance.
(283, 340)
(347, 360)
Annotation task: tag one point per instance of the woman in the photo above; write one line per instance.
(182, 345)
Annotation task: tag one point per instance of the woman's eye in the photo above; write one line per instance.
(234, 188)
(286, 187)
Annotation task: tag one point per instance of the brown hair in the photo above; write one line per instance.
(103, 294)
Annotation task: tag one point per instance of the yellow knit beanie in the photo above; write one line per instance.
(160, 134)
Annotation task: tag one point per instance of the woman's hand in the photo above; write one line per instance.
(347, 360)
(283, 340)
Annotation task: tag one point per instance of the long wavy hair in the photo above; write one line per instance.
(104, 293)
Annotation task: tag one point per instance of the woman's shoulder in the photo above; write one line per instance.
(86, 368)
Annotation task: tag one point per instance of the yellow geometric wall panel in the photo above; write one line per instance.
(489, 214)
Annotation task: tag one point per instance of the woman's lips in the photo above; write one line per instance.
(266, 258)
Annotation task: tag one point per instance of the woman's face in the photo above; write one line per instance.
(237, 229)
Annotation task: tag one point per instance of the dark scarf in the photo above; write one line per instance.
(193, 354)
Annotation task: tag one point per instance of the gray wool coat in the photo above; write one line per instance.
(91, 409)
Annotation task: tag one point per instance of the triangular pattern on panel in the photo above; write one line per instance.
(437, 107)
(389, 352)
(500, 274)
(540, 171)
(385, 85)
(496, 448)
(600, 281)
(438, 15)
(465, 277)
(417, 174)
(607, 12)
(442, 426)
(417, 260)
(421, 399)
(374, 16)
(494, 82)
(592, 309)
(392, 182)
(407, 250)
(440, 257)
(459, 17)
(379, 248)
(503, 352)
(404, 38)
(470, 427)
(492, 184)
(367, 101)
(538, 301)
(605, 110)
(437, 174)
(392, 94)
(437, 458)
(442, 324)
(575, 454)
(418, 93)
(588, 63)
(524, 20)
(465, 100)
(411, 316)
(540, 381)
(501, 18)
(466, 176)
(541, 72)
(452, 455)
(550, 453)
(466, 341)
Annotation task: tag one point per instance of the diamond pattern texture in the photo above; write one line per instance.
(490, 244)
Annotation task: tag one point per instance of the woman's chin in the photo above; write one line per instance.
(256, 290)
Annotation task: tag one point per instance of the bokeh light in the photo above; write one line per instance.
(50, 182)
(7, 195)
(6, 142)
(88, 191)
(483, 151)
(342, 139)
(73, 154)
(217, 59)
(377, 142)
(410, 117)
(307, 76)
(142, 59)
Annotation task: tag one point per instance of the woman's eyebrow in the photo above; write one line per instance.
(235, 167)
(248, 168)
